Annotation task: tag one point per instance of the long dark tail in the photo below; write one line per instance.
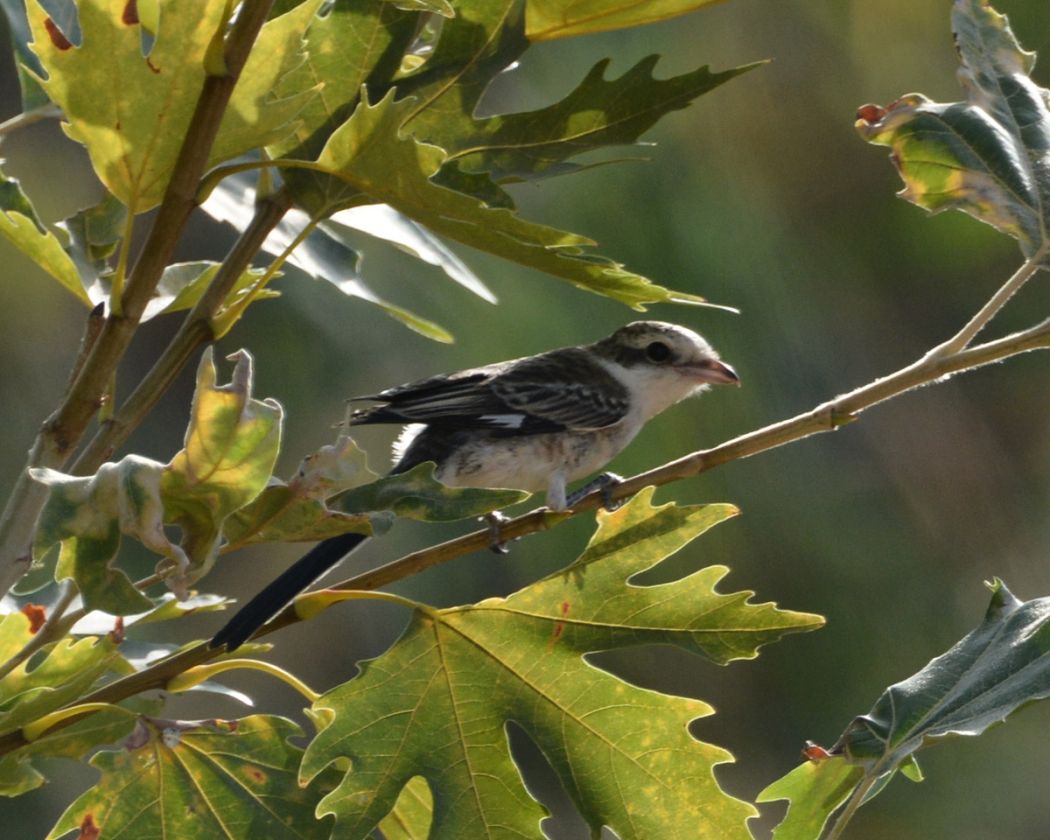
(283, 588)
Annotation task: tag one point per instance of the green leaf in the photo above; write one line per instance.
(327, 255)
(988, 156)
(20, 225)
(549, 19)
(218, 780)
(87, 515)
(815, 790)
(67, 671)
(230, 449)
(412, 814)
(297, 509)
(369, 152)
(346, 46)
(596, 114)
(484, 38)
(18, 26)
(94, 233)
(182, 284)
(436, 704)
(131, 111)
(1001, 665)
(416, 494)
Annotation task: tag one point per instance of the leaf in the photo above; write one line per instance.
(436, 704)
(346, 46)
(815, 790)
(88, 514)
(549, 19)
(93, 234)
(216, 779)
(369, 152)
(598, 113)
(131, 110)
(66, 672)
(297, 509)
(20, 225)
(988, 156)
(17, 773)
(230, 449)
(412, 815)
(484, 38)
(416, 494)
(18, 26)
(182, 284)
(326, 254)
(1002, 664)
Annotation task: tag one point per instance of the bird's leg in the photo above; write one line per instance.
(494, 521)
(604, 482)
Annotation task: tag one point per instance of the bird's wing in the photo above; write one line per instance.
(563, 389)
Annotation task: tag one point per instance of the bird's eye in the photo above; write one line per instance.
(657, 351)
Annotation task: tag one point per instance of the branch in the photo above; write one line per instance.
(824, 418)
(63, 430)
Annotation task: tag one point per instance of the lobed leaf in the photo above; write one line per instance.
(227, 459)
(416, 494)
(205, 779)
(988, 156)
(65, 673)
(21, 226)
(230, 448)
(369, 152)
(436, 704)
(596, 114)
(297, 510)
(814, 791)
(131, 110)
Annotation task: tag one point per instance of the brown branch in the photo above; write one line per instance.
(824, 418)
(62, 431)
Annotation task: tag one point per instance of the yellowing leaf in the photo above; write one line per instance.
(988, 156)
(20, 226)
(436, 705)
(231, 446)
(209, 781)
(131, 110)
(549, 19)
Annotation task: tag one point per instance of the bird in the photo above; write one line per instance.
(533, 423)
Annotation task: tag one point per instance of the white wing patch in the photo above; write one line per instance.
(504, 421)
(404, 440)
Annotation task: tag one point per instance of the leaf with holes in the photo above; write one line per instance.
(437, 703)
(988, 156)
(201, 779)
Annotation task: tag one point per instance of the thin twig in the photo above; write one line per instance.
(27, 118)
(825, 417)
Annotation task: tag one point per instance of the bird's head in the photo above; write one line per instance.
(662, 363)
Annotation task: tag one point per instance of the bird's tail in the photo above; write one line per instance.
(283, 588)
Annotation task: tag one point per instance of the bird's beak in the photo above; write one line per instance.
(716, 372)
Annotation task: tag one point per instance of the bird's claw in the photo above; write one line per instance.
(494, 521)
(605, 482)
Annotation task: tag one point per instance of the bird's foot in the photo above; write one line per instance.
(604, 482)
(494, 521)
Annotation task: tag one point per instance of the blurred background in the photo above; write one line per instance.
(760, 196)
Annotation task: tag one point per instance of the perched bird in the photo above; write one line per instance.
(535, 423)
